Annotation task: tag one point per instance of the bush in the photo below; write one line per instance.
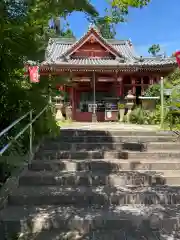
(141, 116)
(153, 91)
(19, 96)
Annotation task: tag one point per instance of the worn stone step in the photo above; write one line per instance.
(86, 178)
(135, 146)
(113, 132)
(95, 235)
(131, 146)
(82, 155)
(99, 196)
(109, 139)
(105, 166)
(154, 154)
(154, 165)
(135, 221)
(163, 146)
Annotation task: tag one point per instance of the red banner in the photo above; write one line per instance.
(34, 74)
(177, 55)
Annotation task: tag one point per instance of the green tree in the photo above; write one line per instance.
(130, 3)
(107, 24)
(23, 36)
(106, 28)
(173, 79)
(115, 14)
(154, 49)
(67, 34)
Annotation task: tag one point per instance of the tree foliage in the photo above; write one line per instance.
(171, 103)
(117, 13)
(23, 36)
(24, 33)
(154, 49)
(173, 79)
(130, 3)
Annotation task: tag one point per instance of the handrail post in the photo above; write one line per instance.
(28, 126)
(30, 136)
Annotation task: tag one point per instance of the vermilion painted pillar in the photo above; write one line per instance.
(151, 80)
(119, 87)
(73, 102)
(133, 82)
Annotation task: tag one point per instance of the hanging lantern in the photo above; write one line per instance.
(34, 74)
(177, 55)
(60, 88)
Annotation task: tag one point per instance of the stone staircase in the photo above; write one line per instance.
(98, 185)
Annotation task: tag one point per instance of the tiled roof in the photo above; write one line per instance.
(91, 61)
(112, 62)
(57, 47)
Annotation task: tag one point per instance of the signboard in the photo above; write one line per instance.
(109, 115)
(91, 106)
(167, 91)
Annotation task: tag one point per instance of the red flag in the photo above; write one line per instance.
(177, 55)
(34, 74)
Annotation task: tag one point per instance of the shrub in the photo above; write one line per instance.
(153, 90)
(20, 97)
(137, 116)
(141, 116)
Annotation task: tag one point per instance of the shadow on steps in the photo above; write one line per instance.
(120, 205)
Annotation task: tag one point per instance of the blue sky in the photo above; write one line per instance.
(159, 22)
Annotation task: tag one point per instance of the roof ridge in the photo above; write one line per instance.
(63, 40)
(89, 30)
(116, 41)
(157, 57)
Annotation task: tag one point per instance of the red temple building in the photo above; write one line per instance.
(101, 71)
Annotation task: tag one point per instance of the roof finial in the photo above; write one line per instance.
(91, 25)
(130, 42)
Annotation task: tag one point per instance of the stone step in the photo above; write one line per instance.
(131, 146)
(82, 155)
(109, 139)
(136, 146)
(113, 132)
(105, 165)
(134, 221)
(163, 146)
(99, 196)
(97, 235)
(86, 178)
(153, 154)
(93, 235)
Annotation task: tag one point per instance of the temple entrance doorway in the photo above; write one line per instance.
(138, 94)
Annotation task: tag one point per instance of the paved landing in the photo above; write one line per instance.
(109, 126)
